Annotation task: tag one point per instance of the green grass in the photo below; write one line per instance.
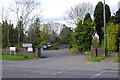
(117, 60)
(95, 59)
(17, 57)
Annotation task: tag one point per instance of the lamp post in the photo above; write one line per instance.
(105, 33)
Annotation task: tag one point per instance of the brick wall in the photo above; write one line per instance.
(97, 52)
(22, 51)
(100, 51)
(93, 52)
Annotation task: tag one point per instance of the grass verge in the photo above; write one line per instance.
(17, 57)
(95, 59)
(117, 60)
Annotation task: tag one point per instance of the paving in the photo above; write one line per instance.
(60, 63)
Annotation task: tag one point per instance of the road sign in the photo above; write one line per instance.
(27, 45)
(30, 49)
(12, 48)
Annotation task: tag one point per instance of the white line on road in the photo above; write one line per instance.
(98, 74)
(59, 72)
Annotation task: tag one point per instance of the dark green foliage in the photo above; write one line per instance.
(25, 56)
(65, 35)
(34, 33)
(99, 20)
(53, 47)
(9, 34)
(87, 17)
(20, 32)
(82, 35)
(113, 37)
(70, 46)
(95, 43)
(116, 19)
(4, 34)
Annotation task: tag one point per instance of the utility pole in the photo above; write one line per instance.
(8, 33)
(105, 33)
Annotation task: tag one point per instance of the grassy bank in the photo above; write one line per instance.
(95, 59)
(17, 57)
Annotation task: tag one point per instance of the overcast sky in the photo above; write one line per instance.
(54, 10)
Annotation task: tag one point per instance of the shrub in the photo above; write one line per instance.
(25, 56)
(43, 43)
(112, 37)
(95, 43)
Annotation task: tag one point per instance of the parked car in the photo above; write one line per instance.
(44, 47)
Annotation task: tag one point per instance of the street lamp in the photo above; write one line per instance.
(105, 33)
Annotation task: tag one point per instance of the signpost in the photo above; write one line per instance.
(29, 45)
(30, 49)
(13, 49)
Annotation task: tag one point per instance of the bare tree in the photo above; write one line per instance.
(26, 10)
(78, 12)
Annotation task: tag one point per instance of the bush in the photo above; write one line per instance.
(112, 37)
(53, 47)
(25, 56)
(95, 43)
(43, 43)
(70, 46)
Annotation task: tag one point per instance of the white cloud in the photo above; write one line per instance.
(57, 8)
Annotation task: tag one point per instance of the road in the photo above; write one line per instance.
(59, 64)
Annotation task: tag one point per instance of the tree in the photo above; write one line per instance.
(98, 15)
(13, 35)
(53, 36)
(34, 33)
(82, 35)
(116, 18)
(4, 34)
(87, 17)
(8, 31)
(65, 35)
(24, 11)
(113, 37)
(45, 33)
(20, 32)
(78, 12)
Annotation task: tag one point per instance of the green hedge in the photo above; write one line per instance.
(113, 37)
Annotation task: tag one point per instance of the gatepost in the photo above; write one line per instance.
(39, 52)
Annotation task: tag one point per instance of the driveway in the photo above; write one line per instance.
(59, 62)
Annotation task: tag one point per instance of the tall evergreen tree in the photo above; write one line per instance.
(98, 15)
(116, 18)
(82, 35)
(87, 17)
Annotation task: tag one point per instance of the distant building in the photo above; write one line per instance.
(119, 5)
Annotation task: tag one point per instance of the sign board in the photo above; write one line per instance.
(49, 45)
(12, 48)
(27, 45)
(30, 49)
